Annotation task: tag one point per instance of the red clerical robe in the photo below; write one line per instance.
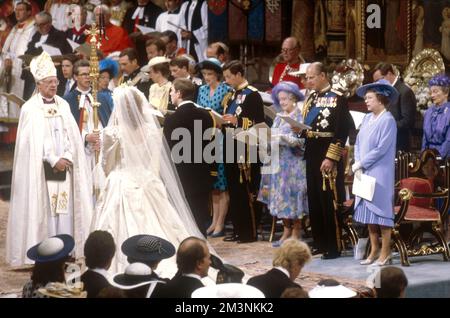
(281, 74)
(116, 40)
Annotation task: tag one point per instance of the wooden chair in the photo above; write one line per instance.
(420, 185)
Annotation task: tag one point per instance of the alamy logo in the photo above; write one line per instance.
(373, 20)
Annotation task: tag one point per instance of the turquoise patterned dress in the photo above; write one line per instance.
(284, 190)
(214, 102)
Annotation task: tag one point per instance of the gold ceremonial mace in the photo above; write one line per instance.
(94, 75)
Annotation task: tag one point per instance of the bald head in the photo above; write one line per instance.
(193, 257)
(290, 50)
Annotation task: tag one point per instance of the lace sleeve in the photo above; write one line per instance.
(110, 149)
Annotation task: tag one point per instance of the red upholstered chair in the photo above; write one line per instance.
(426, 182)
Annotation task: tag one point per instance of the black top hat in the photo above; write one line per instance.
(147, 248)
(52, 249)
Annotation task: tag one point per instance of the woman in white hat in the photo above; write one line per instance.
(159, 91)
(50, 256)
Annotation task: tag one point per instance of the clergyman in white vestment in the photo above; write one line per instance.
(51, 184)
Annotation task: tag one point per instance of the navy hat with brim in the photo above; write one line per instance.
(288, 87)
(382, 87)
(210, 64)
(52, 249)
(147, 248)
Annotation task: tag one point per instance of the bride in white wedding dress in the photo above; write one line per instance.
(142, 193)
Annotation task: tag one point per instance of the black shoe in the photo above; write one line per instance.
(315, 251)
(232, 238)
(331, 255)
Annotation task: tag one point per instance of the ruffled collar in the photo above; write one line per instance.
(440, 109)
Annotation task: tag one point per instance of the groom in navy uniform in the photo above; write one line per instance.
(195, 175)
(243, 109)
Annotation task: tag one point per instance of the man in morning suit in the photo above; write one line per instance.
(243, 109)
(194, 172)
(327, 114)
(193, 261)
(288, 262)
(99, 251)
(404, 108)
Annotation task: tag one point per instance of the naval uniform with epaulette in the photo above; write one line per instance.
(326, 112)
(246, 104)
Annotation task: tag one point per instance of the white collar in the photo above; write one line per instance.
(101, 271)
(192, 275)
(283, 270)
(139, 11)
(83, 92)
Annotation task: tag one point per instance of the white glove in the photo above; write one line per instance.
(356, 166)
(358, 174)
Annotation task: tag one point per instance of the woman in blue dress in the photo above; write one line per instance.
(284, 189)
(375, 156)
(436, 123)
(108, 69)
(211, 95)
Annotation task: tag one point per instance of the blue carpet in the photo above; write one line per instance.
(428, 277)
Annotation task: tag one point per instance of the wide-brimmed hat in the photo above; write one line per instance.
(154, 61)
(230, 290)
(135, 275)
(288, 87)
(52, 249)
(210, 64)
(110, 66)
(382, 87)
(147, 248)
(331, 289)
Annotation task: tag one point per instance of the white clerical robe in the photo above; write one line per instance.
(33, 215)
(15, 45)
(162, 23)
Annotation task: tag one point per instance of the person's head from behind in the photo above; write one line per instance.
(234, 74)
(218, 50)
(50, 256)
(384, 71)
(292, 256)
(391, 282)
(316, 76)
(193, 257)
(294, 292)
(99, 250)
(182, 90)
(179, 67)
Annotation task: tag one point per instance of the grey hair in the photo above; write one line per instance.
(47, 17)
(104, 8)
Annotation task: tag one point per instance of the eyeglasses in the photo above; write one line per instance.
(288, 50)
(83, 74)
(40, 24)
